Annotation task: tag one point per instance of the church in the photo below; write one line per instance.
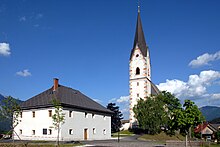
(85, 119)
(140, 83)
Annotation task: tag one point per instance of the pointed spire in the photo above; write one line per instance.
(139, 6)
(139, 40)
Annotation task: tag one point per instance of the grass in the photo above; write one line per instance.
(123, 133)
(161, 137)
(215, 145)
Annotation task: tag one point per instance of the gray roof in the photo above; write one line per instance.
(154, 89)
(215, 126)
(139, 39)
(68, 97)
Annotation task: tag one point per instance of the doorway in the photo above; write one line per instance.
(85, 134)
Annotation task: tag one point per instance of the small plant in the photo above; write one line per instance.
(58, 117)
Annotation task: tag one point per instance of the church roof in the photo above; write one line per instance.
(154, 89)
(68, 97)
(139, 39)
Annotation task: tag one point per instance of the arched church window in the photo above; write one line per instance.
(137, 71)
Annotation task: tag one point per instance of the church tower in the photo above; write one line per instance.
(140, 70)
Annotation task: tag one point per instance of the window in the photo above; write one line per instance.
(70, 113)
(86, 114)
(137, 71)
(49, 131)
(21, 114)
(33, 132)
(94, 131)
(138, 95)
(20, 131)
(44, 131)
(71, 131)
(93, 115)
(137, 83)
(33, 113)
(104, 131)
(137, 55)
(50, 113)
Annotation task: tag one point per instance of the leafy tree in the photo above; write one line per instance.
(116, 117)
(58, 117)
(190, 116)
(172, 106)
(171, 102)
(217, 135)
(150, 114)
(187, 117)
(10, 112)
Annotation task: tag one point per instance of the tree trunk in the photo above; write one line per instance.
(186, 141)
(190, 132)
(58, 135)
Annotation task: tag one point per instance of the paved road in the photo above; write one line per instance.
(124, 142)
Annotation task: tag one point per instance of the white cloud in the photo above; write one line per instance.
(175, 86)
(209, 99)
(194, 88)
(123, 103)
(123, 99)
(24, 73)
(204, 59)
(23, 18)
(4, 49)
(216, 96)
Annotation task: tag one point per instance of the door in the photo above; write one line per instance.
(85, 134)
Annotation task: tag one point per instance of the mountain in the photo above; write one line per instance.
(4, 124)
(210, 112)
(215, 121)
(1, 99)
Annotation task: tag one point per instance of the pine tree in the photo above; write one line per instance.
(116, 117)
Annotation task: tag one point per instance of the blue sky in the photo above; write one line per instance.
(87, 44)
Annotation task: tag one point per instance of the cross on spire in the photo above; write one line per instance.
(139, 39)
(139, 6)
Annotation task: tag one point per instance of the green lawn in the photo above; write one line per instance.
(215, 145)
(123, 133)
(161, 137)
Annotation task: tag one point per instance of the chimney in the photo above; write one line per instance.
(55, 84)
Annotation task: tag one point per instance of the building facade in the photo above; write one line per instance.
(140, 71)
(85, 119)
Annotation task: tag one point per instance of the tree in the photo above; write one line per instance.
(190, 116)
(187, 117)
(10, 112)
(172, 106)
(116, 117)
(58, 117)
(217, 135)
(150, 114)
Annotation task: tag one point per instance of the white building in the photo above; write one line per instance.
(85, 119)
(140, 71)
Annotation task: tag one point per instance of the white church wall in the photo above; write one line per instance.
(140, 86)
